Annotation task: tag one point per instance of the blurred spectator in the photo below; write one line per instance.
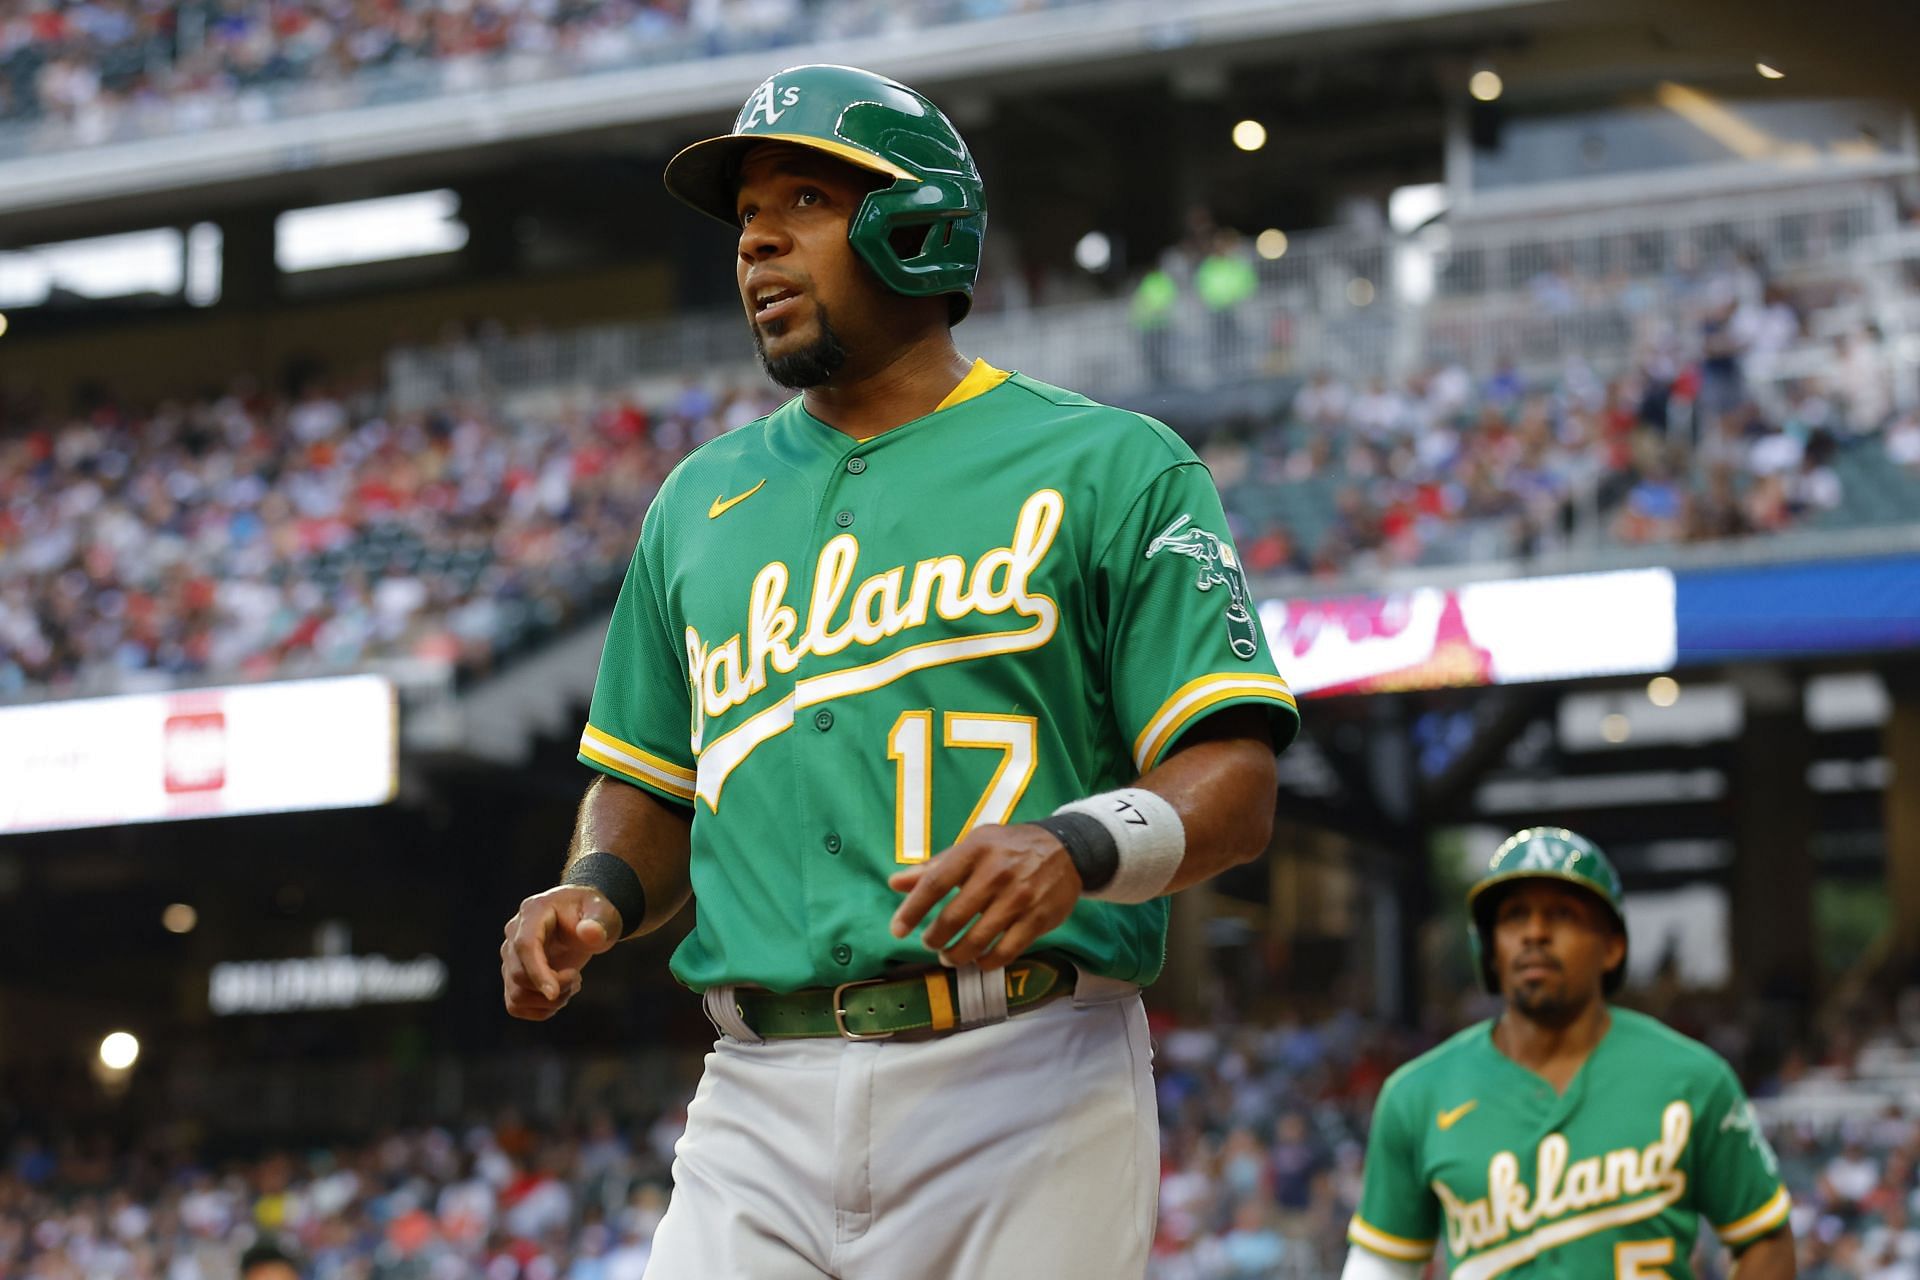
(1225, 282)
(1722, 346)
(1903, 441)
(1155, 300)
(1850, 1177)
(1295, 1162)
(1862, 381)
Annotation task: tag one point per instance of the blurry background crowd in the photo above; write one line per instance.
(248, 533)
(88, 71)
(1263, 1128)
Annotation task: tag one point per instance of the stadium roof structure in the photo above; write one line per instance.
(1059, 45)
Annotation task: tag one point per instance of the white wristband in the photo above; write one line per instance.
(1149, 834)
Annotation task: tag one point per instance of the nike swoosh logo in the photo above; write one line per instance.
(1448, 1119)
(721, 506)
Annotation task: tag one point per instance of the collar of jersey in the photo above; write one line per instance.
(980, 379)
(1575, 1086)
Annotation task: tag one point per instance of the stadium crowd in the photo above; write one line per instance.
(247, 534)
(1447, 468)
(1263, 1138)
(109, 68)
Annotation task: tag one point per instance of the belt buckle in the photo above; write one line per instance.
(840, 1012)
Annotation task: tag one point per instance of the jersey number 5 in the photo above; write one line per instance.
(910, 747)
(1642, 1259)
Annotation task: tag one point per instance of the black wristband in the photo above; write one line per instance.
(1089, 844)
(615, 881)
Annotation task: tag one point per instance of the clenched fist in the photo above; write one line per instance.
(549, 941)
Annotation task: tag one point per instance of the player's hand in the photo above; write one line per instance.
(549, 941)
(1018, 881)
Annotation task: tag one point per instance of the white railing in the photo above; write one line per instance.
(1787, 228)
(1334, 301)
(1303, 318)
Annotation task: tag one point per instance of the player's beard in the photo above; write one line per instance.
(1547, 1004)
(810, 365)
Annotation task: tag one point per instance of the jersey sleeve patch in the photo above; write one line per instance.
(1386, 1244)
(1216, 565)
(1766, 1218)
(1195, 699)
(635, 764)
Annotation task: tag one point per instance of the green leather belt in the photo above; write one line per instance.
(880, 1008)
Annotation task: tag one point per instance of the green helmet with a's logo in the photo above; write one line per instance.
(921, 233)
(1543, 853)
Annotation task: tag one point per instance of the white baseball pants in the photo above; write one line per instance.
(1027, 1149)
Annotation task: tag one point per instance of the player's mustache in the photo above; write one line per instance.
(1526, 958)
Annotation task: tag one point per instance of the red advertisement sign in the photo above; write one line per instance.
(194, 752)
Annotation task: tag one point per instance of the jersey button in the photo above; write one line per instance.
(844, 519)
(856, 465)
(823, 720)
(832, 842)
(843, 954)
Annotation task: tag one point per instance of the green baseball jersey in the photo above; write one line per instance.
(844, 654)
(1608, 1179)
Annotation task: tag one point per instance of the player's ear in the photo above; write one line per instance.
(1616, 950)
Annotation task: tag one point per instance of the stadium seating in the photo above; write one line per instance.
(246, 536)
(1262, 1130)
(74, 73)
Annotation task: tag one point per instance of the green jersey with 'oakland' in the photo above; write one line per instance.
(844, 654)
(1608, 1179)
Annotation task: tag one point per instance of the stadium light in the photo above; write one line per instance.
(119, 1050)
(1249, 135)
(116, 266)
(3, 324)
(1094, 252)
(1615, 728)
(415, 225)
(1663, 691)
(1360, 291)
(1768, 72)
(1485, 85)
(179, 917)
(1271, 244)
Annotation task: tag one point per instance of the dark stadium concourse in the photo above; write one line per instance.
(210, 942)
(1771, 798)
(577, 231)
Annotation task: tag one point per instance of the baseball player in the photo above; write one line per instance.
(928, 688)
(1565, 1137)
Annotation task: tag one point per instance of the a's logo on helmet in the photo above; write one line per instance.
(769, 102)
(1540, 856)
(1219, 567)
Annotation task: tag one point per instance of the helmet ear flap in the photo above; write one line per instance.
(910, 242)
(1616, 977)
(1482, 946)
(1480, 940)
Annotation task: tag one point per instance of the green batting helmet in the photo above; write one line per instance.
(1543, 853)
(879, 125)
